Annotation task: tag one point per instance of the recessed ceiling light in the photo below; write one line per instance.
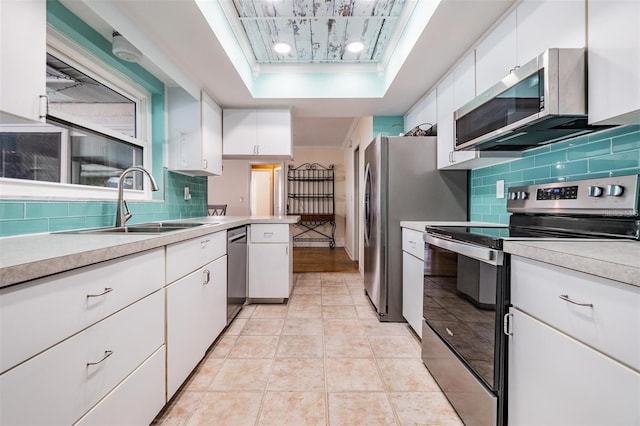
(355, 46)
(282, 48)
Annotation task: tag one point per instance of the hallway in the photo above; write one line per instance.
(321, 359)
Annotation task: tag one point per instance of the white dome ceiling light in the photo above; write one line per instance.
(282, 48)
(123, 49)
(355, 46)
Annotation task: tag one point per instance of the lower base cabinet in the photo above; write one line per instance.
(556, 380)
(270, 271)
(412, 289)
(196, 314)
(136, 401)
(63, 383)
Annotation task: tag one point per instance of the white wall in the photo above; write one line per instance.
(232, 188)
(361, 137)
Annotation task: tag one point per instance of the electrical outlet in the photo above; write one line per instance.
(500, 189)
(187, 194)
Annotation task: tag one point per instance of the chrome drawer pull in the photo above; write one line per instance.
(268, 234)
(106, 290)
(107, 354)
(565, 297)
(206, 276)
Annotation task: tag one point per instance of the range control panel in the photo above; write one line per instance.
(612, 196)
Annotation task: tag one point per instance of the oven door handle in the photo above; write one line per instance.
(483, 254)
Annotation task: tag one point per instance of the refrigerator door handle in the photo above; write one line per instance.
(366, 203)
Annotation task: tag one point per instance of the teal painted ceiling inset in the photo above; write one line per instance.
(318, 31)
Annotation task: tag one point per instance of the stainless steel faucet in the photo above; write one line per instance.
(122, 212)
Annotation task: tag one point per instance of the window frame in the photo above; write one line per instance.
(67, 50)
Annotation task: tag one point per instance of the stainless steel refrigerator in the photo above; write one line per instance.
(402, 182)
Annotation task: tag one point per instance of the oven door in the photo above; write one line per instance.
(464, 301)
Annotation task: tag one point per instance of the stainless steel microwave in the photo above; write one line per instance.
(541, 102)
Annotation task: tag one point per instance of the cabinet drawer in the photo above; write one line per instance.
(269, 233)
(59, 381)
(611, 325)
(413, 242)
(187, 256)
(36, 315)
(136, 401)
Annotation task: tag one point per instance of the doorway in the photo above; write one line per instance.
(266, 190)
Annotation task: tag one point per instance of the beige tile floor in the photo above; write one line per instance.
(321, 359)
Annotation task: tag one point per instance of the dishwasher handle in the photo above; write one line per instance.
(237, 237)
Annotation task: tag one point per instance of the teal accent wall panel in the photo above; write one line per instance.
(388, 125)
(613, 152)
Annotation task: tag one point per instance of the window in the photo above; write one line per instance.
(96, 127)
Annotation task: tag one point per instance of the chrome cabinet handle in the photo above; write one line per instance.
(268, 234)
(451, 156)
(204, 243)
(413, 243)
(206, 276)
(566, 298)
(106, 290)
(206, 163)
(505, 324)
(107, 354)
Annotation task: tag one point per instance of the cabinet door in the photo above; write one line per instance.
(269, 270)
(554, 380)
(425, 111)
(412, 289)
(614, 61)
(211, 135)
(239, 135)
(563, 23)
(447, 156)
(496, 54)
(274, 132)
(23, 44)
(464, 81)
(195, 316)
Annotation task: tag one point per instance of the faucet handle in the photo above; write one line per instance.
(127, 212)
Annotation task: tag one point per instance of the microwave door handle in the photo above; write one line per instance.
(483, 254)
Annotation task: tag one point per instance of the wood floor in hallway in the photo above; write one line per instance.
(322, 259)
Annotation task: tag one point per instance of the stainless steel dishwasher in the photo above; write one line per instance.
(236, 270)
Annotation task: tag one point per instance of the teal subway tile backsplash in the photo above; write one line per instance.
(612, 152)
(34, 216)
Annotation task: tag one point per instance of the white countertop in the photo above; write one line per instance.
(28, 257)
(614, 260)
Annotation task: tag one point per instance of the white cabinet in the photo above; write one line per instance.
(196, 302)
(67, 380)
(412, 278)
(448, 158)
(425, 111)
(614, 62)
(587, 370)
(496, 53)
(23, 43)
(270, 261)
(262, 132)
(196, 314)
(195, 134)
(524, 33)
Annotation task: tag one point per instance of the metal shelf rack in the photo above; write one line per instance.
(310, 194)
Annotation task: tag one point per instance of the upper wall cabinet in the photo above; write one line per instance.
(22, 59)
(524, 33)
(424, 112)
(195, 134)
(257, 132)
(614, 62)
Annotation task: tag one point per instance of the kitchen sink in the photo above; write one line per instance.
(144, 228)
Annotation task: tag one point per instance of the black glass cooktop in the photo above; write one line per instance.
(542, 227)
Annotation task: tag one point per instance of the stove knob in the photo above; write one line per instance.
(522, 195)
(512, 195)
(615, 190)
(594, 191)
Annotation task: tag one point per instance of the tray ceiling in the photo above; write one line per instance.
(318, 31)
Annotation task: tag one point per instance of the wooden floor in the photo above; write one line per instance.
(322, 259)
